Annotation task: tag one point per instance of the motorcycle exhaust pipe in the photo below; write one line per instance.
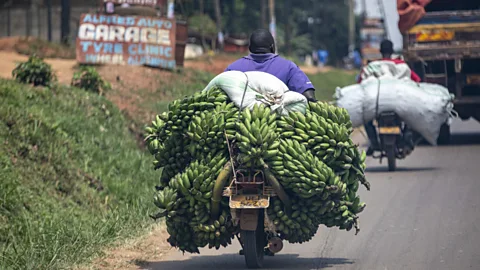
(275, 245)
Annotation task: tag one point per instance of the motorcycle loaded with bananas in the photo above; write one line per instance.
(253, 174)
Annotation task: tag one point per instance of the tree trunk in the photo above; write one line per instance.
(65, 29)
(39, 18)
(219, 19)
(263, 14)
(202, 34)
(49, 20)
(273, 26)
(202, 6)
(288, 26)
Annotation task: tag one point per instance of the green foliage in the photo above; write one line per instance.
(326, 83)
(202, 24)
(35, 71)
(88, 78)
(72, 178)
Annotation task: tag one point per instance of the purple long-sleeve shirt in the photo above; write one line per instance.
(283, 69)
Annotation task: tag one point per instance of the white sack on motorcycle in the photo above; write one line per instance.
(424, 107)
(259, 88)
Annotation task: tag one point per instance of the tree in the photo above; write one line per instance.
(218, 16)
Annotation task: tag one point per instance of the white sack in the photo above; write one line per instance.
(386, 69)
(262, 88)
(294, 102)
(424, 107)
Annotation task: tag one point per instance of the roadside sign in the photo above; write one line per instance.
(126, 40)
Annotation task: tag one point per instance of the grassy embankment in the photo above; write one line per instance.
(72, 178)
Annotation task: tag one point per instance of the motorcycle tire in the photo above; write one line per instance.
(391, 157)
(254, 245)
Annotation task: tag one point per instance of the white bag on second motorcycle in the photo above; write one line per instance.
(424, 107)
(246, 89)
(386, 69)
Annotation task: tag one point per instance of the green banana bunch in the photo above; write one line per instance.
(311, 155)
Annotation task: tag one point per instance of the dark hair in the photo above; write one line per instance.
(386, 47)
(262, 41)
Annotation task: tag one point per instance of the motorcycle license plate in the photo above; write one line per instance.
(389, 130)
(249, 201)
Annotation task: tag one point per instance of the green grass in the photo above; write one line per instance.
(72, 177)
(326, 83)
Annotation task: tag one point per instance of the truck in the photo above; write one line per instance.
(443, 47)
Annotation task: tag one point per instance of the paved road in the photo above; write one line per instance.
(425, 216)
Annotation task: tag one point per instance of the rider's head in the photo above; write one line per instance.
(386, 48)
(261, 41)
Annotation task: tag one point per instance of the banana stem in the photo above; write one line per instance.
(278, 189)
(218, 190)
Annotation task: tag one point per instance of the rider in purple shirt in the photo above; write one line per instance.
(263, 58)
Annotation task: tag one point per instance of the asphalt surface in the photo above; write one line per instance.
(424, 216)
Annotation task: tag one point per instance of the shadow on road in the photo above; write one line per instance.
(458, 139)
(233, 261)
(384, 169)
(465, 139)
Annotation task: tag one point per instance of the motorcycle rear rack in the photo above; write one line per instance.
(231, 191)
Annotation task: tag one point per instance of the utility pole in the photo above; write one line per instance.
(351, 36)
(273, 26)
(65, 29)
(49, 19)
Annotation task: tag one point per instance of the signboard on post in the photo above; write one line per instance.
(126, 40)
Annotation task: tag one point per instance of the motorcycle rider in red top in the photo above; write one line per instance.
(386, 49)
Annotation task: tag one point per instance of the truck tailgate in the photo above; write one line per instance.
(445, 35)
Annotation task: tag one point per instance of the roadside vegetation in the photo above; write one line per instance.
(72, 178)
(326, 82)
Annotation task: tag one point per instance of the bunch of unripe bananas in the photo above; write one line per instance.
(311, 155)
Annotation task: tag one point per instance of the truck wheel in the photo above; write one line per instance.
(254, 245)
(444, 137)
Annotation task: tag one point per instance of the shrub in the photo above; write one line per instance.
(35, 71)
(88, 78)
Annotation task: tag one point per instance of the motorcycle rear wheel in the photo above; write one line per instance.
(392, 158)
(254, 245)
